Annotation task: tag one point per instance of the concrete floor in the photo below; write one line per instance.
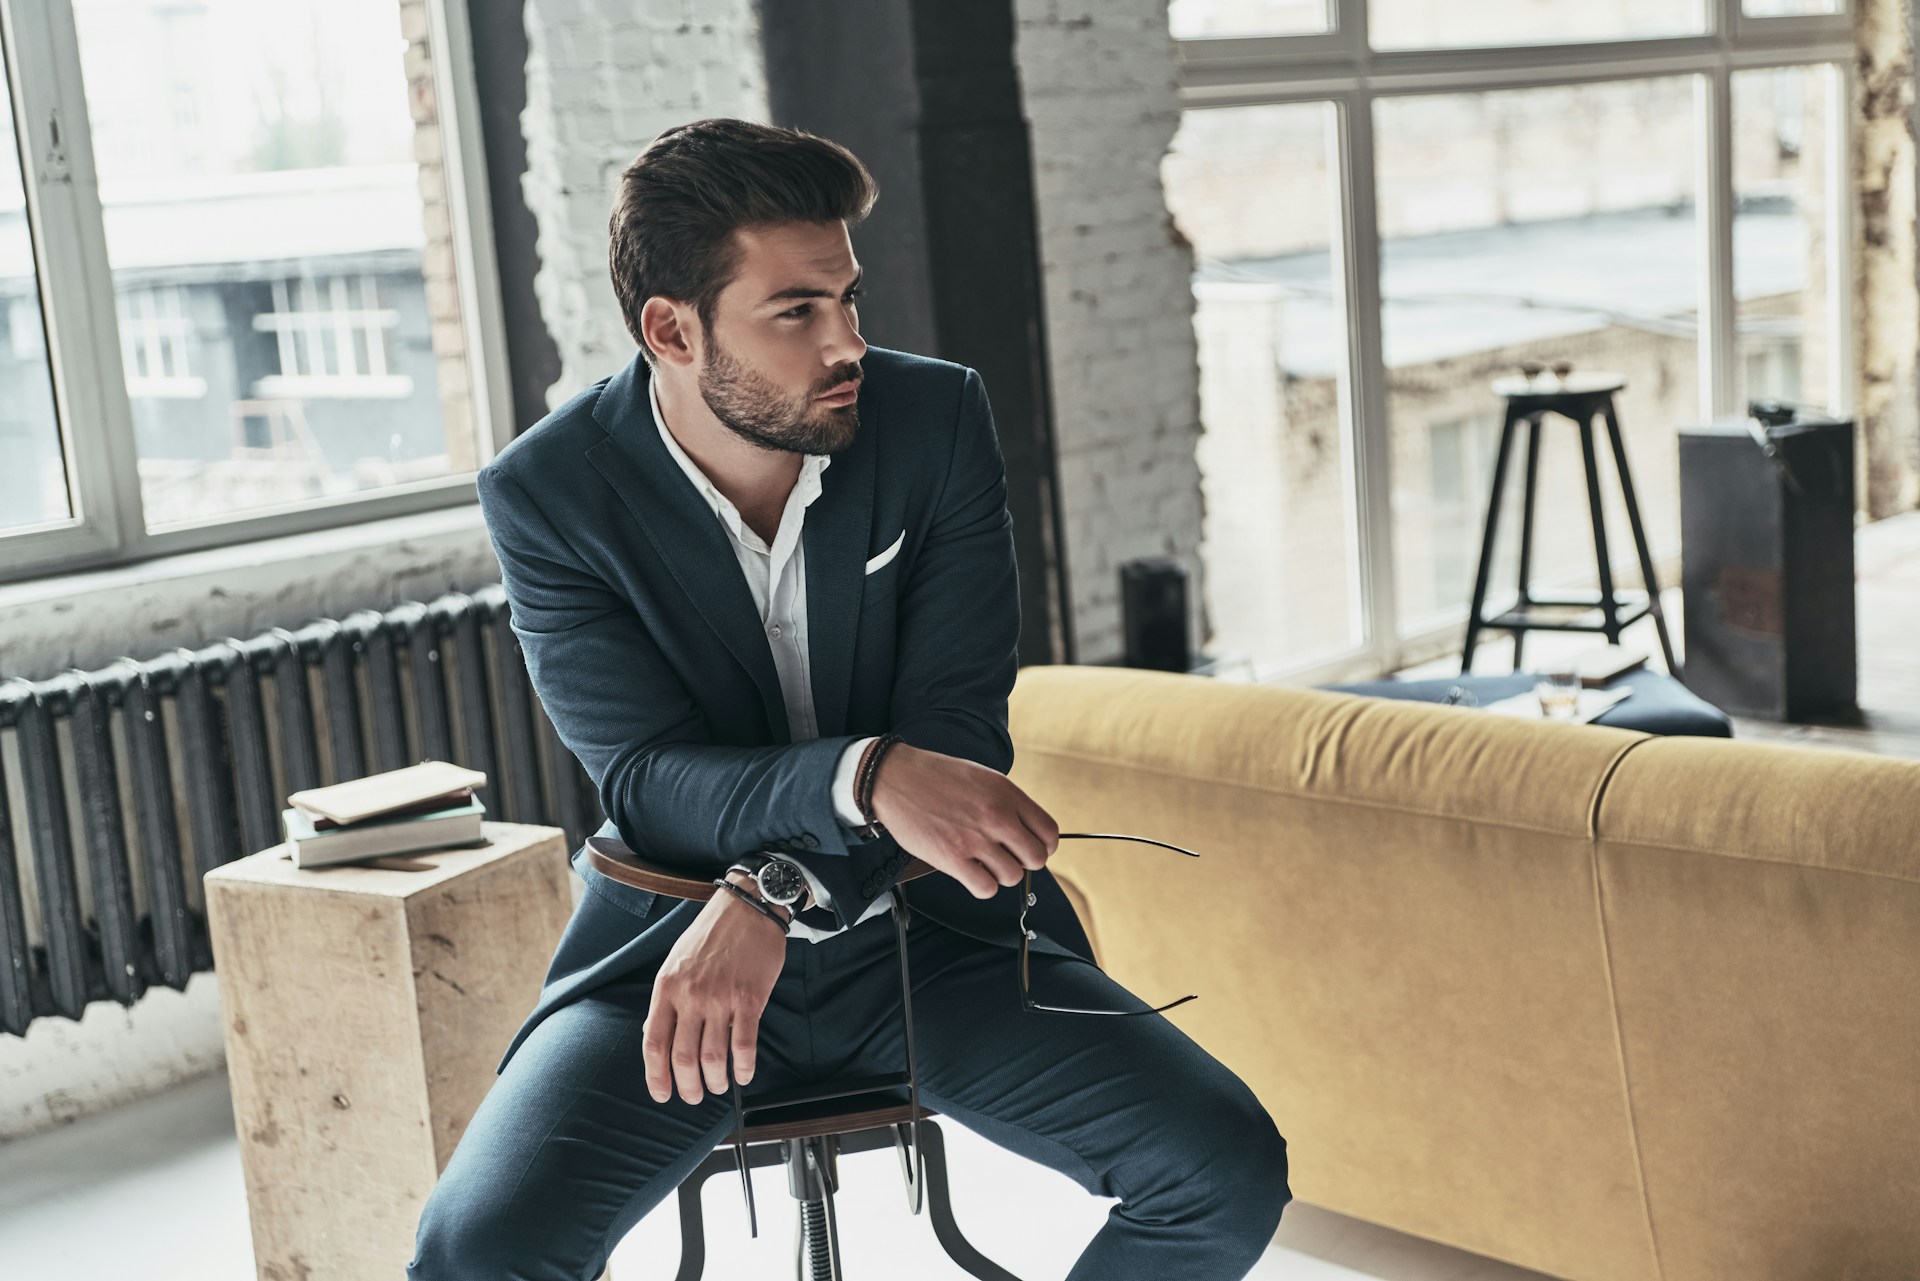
(153, 1192)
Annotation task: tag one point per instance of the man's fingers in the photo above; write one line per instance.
(1025, 845)
(1012, 849)
(656, 1045)
(713, 1054)
(746, 1039)
(1040, 823)
(685, 1057)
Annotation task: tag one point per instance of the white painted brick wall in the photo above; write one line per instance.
(1098, 78)
(604, 76)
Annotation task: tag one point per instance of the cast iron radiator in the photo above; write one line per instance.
(132, 782)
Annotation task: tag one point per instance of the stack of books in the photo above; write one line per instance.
(428, 806)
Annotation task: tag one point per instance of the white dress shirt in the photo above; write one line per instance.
(777, 577)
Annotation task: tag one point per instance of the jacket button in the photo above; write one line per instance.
(809, 840)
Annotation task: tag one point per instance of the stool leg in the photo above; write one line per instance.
(1486, 540)
(1609, 607)
(1526, 528)
(1639, 538)
(693, 1229)
(940, 1210)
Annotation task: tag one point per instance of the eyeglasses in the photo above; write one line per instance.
(1027, 900)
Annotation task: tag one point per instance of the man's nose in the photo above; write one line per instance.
(845, 345)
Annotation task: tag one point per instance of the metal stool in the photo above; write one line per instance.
(1581, 397)
(806, 1128)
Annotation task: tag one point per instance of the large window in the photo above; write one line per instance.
(267, 305)
(1394, 206)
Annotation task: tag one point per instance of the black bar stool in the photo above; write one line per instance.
(1582, 397)
(807, 1128)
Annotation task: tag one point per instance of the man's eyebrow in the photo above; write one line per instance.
(801, 291)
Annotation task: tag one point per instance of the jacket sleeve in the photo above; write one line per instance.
(675, 795)
(959, 608)
(952, 697)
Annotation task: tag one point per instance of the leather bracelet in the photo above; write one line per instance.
(865, 775)
(755, 904)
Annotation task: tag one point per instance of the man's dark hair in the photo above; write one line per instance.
(685, 195)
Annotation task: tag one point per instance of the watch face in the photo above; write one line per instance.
(782, 882)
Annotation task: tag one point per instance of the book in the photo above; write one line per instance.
(1607, 663)
(428, 806)
(438, 829)
(376, 794)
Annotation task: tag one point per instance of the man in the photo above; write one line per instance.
(764, 581)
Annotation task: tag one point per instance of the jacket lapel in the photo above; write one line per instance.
(836, 533)
(682, 530)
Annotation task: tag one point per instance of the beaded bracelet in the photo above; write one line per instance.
(864, 777)
(755, 904)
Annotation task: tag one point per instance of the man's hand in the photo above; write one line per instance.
(709, 995)
(961, 818)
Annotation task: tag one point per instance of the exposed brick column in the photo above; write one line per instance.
(448, 334)
(1886, 294)
(1098, 79)
(603, 78)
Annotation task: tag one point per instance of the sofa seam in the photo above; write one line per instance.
(1749, 858)
(1613, 1009)
(1216, 781)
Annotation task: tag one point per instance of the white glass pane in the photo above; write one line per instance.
(1533, 225)
(277, 224)
(1189, 18)
(1782, 199)
(1249, 186)
(33, 467)
(1788, 8)
(1452, 24)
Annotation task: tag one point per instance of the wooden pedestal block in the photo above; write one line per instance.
(365, 1009)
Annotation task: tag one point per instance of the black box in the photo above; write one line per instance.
(1153, 614)
(1767, 576)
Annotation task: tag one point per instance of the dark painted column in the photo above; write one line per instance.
(926, 93)
(500, 68)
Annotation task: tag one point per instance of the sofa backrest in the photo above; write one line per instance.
(1557, 994)
(1392, 931)
(1762, 908)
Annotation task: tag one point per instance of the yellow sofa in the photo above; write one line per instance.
(1610, 1006)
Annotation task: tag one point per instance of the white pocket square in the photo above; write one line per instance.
(888, 554)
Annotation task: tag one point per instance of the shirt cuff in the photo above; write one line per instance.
(843, 802)
(820, 896)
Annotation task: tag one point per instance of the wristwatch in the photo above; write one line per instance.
(780, 881)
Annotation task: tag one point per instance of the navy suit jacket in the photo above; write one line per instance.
(646, 649)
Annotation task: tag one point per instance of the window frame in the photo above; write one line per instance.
(92, 406)
(1340, 66)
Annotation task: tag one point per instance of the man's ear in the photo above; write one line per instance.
(667, 328)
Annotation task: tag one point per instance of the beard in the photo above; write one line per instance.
(755, 410)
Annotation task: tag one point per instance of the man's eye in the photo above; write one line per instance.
(805, 307)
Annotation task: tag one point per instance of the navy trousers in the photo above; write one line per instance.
(568, 1150)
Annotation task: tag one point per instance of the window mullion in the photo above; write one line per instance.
(1718, 342)
(82, 322)
(1364, 405)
